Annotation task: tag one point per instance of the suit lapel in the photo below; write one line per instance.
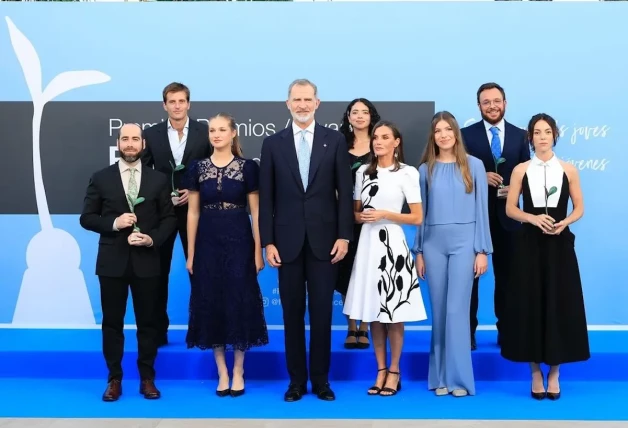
(165, 142)
(119, 187)
(290, 153)
(507, 139)
(192, 138)
(318, 151)
(485, 144)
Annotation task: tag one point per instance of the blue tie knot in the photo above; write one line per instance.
(494, 130)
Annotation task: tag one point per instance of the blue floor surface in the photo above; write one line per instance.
(61, 374)
(194, 399)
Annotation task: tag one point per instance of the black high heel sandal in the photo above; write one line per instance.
(390, 391)
(351, 345)
(375, 390)
(362, 345)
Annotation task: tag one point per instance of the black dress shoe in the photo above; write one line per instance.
(295, 392)
(324, 392)
(553, 395)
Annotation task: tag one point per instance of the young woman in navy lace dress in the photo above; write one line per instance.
(225, 255)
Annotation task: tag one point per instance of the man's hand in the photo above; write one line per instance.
(125, 220)
(272, 256)
(183, 196)
(494, 179)
(341, 247)
(138, 239)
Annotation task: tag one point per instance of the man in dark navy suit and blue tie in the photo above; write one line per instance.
(306, 223)
(501, 146)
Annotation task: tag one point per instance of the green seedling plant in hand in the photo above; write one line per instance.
(176, 168)
(549, 193)
(132, 204)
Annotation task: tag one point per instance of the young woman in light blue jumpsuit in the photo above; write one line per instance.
(452, 247)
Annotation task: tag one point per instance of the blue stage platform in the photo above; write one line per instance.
(66, 369)
(76, 354)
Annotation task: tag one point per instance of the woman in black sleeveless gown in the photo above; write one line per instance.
(356, 125)
(546, 321)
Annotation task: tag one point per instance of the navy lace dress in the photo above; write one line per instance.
(226, 308)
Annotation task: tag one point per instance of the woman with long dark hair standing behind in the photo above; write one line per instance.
(545, 317)
(356, 125)
(225, 254)
(452, 245)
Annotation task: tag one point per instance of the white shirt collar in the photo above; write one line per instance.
(187, 123)
(552, 162)
(297, 130)
(500, 125)
(125, 166)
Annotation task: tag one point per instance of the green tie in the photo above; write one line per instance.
(132, 186)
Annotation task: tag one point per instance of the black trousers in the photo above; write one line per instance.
(502, 252)
(318, 278)
(166, 250)
(114, 293)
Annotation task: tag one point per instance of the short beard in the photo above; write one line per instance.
(496, 121)
(131, 158)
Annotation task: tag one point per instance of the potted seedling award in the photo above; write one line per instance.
(502, 191)
(549, 193)
(132, 204)
(175, 193)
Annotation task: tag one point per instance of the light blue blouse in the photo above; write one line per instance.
(445, 201)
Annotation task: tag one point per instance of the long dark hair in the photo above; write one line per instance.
(236, 148)
(398, 158)
(344, 123)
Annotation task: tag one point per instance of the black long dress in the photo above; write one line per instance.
(346, 264)
(545, 317)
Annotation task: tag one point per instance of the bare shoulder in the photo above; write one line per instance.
(569, 168)
(520, 169)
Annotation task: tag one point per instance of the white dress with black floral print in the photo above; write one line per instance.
(384, 286)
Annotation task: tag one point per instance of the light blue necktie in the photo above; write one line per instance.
(496, 146)
(303, 154)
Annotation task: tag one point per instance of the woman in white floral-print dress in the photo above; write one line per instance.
(384, 287)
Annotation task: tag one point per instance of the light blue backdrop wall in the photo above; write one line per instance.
(566, 59)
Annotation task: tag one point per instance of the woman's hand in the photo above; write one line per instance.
(481, 264)
(189, 264)
(371, 216)
(558, 228)
(420, 266)
(259, 261)
(543, 222)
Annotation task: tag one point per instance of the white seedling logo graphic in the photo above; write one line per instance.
(53, 290)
